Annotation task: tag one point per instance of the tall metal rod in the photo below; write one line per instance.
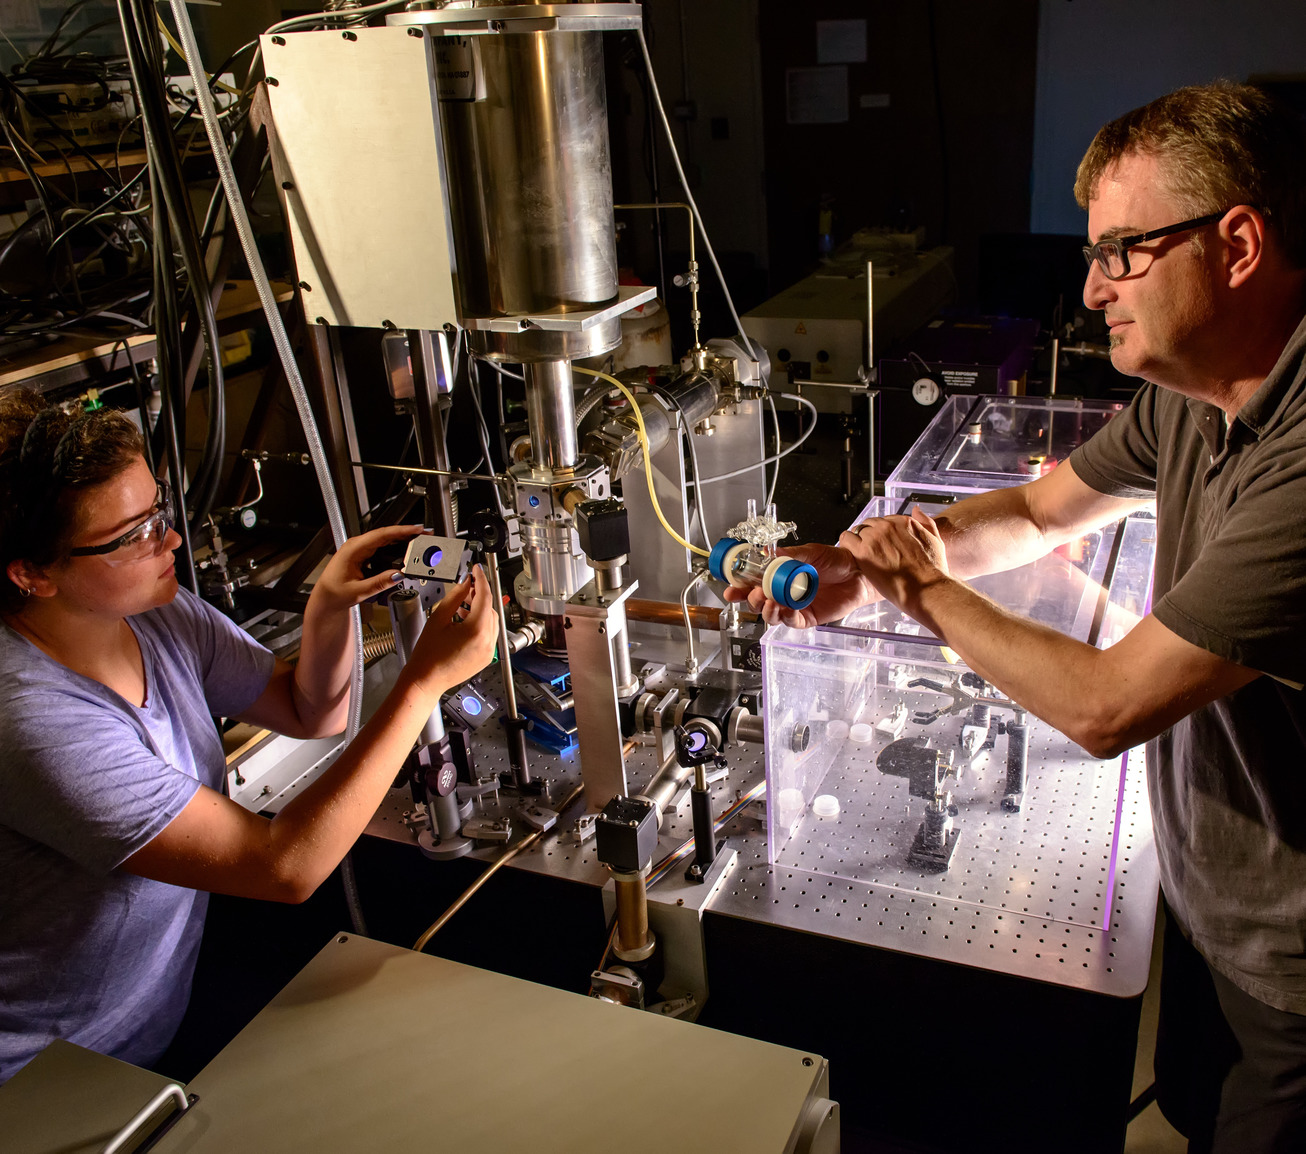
(551, 413)
(692, 280)
(428, 423)
(516, 724)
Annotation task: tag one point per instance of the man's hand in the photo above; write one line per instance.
(458, 639)
(899, 556)
(343, 583)
(843, 588)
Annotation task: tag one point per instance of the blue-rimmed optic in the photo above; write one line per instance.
(793, 584)
(717, 558)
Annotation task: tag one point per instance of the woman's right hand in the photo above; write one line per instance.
(456, 643)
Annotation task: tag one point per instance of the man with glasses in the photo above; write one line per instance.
(1197, 256)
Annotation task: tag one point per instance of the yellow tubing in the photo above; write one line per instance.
(648, 456)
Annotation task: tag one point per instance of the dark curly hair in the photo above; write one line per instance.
(48, 454)
(1219, 145)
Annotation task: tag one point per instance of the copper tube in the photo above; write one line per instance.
(668, 613)
(529, 840)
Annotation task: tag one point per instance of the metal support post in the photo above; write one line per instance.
(428, 423)
(594, 625)
(514, 722)
(442, 839)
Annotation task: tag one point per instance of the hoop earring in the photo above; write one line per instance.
(24, 590)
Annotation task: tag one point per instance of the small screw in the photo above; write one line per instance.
(496, 25)
(287, 184)
(602, 628)
(566, 622)
(272, 80)
(308, 288)
(278, 40)
(808, 1062)
(319, 320)
(350, 35)
(342, 939)
(389, 326)
(680, 901)
(415, 32)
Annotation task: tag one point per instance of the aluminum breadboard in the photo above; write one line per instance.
(1025, 894)
(1052, 859)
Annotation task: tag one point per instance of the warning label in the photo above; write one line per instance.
(961, 380)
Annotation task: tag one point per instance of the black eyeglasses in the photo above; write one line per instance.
(1112, 256)
(140, 542)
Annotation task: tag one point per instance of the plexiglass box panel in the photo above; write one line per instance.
(890, 763)
(983, 443)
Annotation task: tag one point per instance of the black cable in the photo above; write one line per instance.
(142, 402)
(168, 355)
(147, 65)
(64, 18)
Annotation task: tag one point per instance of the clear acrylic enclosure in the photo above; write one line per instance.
(889, 762)
(988, 442)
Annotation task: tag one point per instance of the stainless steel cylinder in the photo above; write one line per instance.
(530, 176)
(609, 576)
(751, 729)
(669, 780)
(551, 414)
(696, 396)
(623, 675)
(556, 566)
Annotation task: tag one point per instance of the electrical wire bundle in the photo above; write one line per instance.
(113, 255)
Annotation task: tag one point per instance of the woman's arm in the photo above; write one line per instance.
(311, 698)
(215, 844)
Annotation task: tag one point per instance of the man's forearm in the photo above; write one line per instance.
(990, 533)
(1055, 677)
(1006, 528)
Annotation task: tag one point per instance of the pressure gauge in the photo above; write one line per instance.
(925, 391)
(248, 518)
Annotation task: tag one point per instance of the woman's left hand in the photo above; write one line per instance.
(343, 583)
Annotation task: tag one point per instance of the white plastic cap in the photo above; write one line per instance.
(825, 805)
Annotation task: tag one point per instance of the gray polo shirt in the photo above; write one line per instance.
(1228, 782)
